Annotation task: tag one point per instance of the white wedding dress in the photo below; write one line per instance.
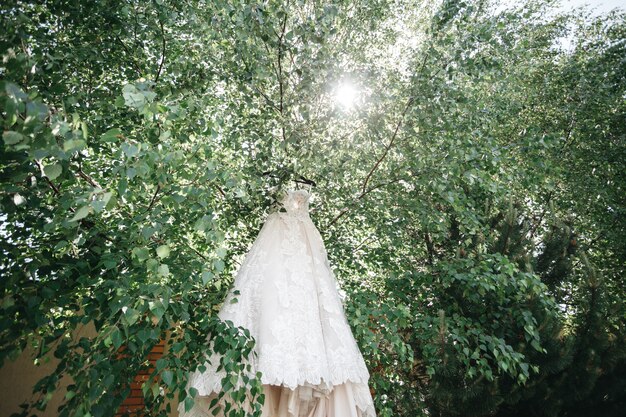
(289, 301)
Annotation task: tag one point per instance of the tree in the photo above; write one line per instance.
(471, 199)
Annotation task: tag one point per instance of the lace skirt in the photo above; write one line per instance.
(288, 299)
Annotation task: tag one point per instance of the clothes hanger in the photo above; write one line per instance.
(298, 180)
(303, 180)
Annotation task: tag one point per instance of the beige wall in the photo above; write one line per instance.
(18, 377)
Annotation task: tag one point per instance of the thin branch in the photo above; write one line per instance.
(220, 190)
(50, 183)
(280, 75)
(196, 251)
(87, 178)
(536, 226)
(568, 137)
(430, 247)
(293, 63)
(269, 101)
(272, 63)
(367, 240)
(389, 146)
(156, 79)
(154, 198)
(135, 28)
(132, 60)
(359, 197)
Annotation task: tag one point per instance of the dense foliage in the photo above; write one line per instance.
(472, 199)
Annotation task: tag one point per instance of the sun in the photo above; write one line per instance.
(346, 95)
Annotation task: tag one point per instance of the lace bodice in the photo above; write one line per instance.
(296, 202)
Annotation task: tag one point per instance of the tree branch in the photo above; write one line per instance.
(86, 177)
(220, 190)
(367, 240)
(196, 251)
(536, 226)
(156, 79)
(50, 183)
(388, 147)
(154, 198)
(269, 101)
(430, 247)
(280, 76)
(132, 60)
(359, 197)
(272, 63)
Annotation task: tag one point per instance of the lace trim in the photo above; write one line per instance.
(306, 395)
(363, 399)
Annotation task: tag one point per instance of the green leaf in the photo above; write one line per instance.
(188, 403)
(164, 270)
(74, 145)
(60, 128)
(130, 150)
(110, 263)
(11, 138)
(116, 337)
(161, 363)
(53, 171)
(83, 128)
(81, 213)
(152, 264)
(157, 308)
(112, 135)
(535, 344)
(102, 201)
(218, 265)
(163, 251)
(155, 390)
(141, 253)
(206, 277)
(130, 315)
(167, 376)
(122, 186)
(132, 97)
(106, 197)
